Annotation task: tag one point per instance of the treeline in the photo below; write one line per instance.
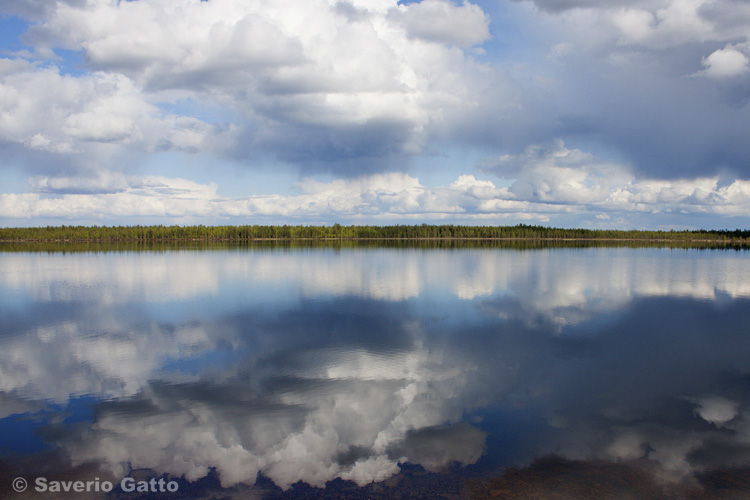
(341, 244)
(339, 232)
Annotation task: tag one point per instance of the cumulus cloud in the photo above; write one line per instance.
(48, 111)
(65, 359)
(552, 173)
(441, 21)
(393, 195)
(350, 418)
(664, 24)
(660, 23)
(547, 181)
(717, 410)
(320, 81)
(726, 63)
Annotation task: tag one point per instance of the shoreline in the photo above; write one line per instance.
(355, 239)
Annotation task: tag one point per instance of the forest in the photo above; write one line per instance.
(163, 233)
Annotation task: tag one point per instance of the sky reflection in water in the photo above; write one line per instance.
(310, 365)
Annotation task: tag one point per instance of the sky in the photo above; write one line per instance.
(569, 113)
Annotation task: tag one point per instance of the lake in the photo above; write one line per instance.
(375, 372)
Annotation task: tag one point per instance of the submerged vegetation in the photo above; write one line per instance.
(151, 234)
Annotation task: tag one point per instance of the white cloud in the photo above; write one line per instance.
(65, 359)
(726, 63)
(656, 24)
(635, 24)
(680, 21)
(553, 174)
(441, 21)
(340, 405)
(717, 410)
(547, 181)
(45, 110)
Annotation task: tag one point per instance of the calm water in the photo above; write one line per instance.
(217, 368)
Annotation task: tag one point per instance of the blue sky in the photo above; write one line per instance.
(615, 113)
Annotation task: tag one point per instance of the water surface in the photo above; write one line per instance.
(276, 366)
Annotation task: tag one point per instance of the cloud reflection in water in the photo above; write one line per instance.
(633, 355)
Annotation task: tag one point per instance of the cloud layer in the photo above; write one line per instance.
(103, 97)
(547, 183)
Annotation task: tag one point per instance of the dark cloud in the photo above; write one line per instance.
(563, 5)
(347, 149)
(643, 96)
(729, 15)
(644, 402)
(11, 404)
(656, 110)
(439, 446)
(35, 10)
